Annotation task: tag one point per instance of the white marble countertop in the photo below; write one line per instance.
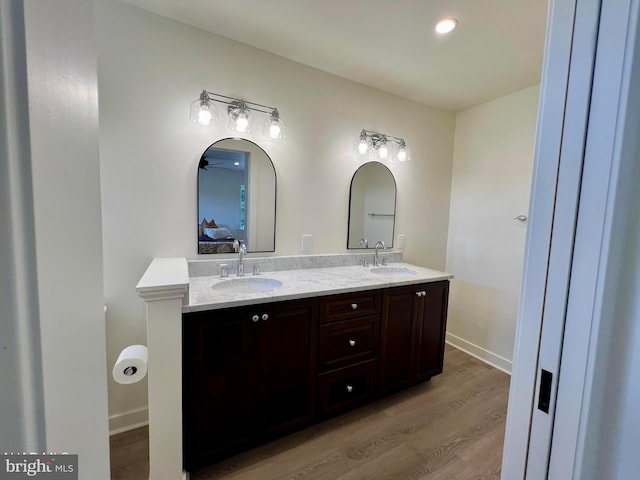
(304, 283)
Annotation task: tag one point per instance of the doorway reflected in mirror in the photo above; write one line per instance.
(372, 206)
(236, 197)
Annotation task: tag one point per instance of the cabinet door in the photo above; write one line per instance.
(286, 365)
(218, 385)
(395, 369)
(430, 330)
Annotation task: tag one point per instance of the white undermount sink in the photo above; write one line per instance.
(393, 271)
(247, 285)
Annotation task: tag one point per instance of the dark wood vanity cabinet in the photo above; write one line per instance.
(249, 375)
(253, 373)
(412, 334)
(349, 340)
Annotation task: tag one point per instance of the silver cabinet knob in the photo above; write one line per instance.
(352, 343)
(354, 305)
(265, 316)
(423, 293)
(349, 388)
(255, 318)
(419, 294)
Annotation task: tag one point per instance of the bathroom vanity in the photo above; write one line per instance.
(256, 365)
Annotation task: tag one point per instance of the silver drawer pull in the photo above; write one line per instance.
(352, 343)
(354, 305)
(265, 316)
(255, 318)
(349, 389)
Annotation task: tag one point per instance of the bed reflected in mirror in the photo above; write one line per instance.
(236, 198)
(372, 206)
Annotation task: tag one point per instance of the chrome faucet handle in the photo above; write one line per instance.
(256, 269)
(364, 243)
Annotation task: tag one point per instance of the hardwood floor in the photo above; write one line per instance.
(449, 428)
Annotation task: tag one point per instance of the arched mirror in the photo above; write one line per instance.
(236, 197)
(372, 206)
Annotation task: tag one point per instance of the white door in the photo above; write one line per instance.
(586, 58)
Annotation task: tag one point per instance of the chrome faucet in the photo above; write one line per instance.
(242, 250)
(364, 243)
(376, 262)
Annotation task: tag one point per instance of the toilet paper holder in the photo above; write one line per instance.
(131, 365)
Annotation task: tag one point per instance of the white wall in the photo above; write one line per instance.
(150, 69)
(63, 133)
(492, 167)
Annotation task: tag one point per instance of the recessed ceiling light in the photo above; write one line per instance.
(236, 163)
(446, 25)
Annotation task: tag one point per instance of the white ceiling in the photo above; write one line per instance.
(389, 44)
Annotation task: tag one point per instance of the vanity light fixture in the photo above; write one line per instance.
(383, 146)
(240, 119)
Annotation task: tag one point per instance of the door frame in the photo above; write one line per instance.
(594, 255)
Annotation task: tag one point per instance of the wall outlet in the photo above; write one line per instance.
(402, 241)
(307, 243)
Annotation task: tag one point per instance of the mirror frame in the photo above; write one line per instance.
(275, 196)
(395, 203)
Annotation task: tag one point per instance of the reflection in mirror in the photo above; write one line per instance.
(236, 197)
(372, 206)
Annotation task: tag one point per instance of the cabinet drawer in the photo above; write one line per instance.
(349, 305)
(348, 342)
(347, 387)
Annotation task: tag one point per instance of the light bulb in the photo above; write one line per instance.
(383, 151)
(446, 25)
(242, 122)
(203, 111)
(402, 155)
(204, 116)
(274, 130)
(363, 146)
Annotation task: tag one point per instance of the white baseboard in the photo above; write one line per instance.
(480, 353)
(123, 422)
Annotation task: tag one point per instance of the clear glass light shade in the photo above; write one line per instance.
(274, 128)
(363, 147)
(382, 150)
(403, 154)
(203, 113)
(240, 119)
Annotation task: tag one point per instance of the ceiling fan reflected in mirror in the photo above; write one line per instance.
(206, 165)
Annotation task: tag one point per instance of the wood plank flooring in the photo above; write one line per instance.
(449, 428)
